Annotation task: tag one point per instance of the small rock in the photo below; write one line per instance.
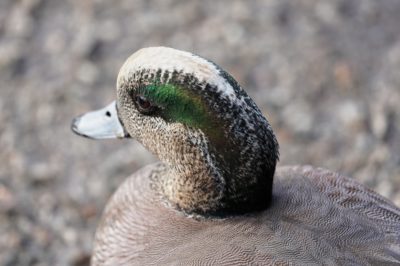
(42, 172)
(20, 23)
(88, 73)
(396, 200)
(42, 236)
(379, 121)
(351, 115)
(88, 211)
(7, 199)
(384, 188)
(298, 117)
(81, 259)
(343, 76)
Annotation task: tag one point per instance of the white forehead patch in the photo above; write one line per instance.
(169, 59)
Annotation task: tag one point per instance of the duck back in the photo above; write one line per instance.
(316, 217)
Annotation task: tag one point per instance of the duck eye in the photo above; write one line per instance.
(143, 105)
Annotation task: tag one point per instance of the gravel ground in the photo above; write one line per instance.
(326, 74)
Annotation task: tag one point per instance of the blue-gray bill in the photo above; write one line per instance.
(100, 124)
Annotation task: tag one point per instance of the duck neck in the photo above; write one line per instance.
(190, 180)
(207, 178)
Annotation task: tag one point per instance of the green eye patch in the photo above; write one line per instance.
(178, 104)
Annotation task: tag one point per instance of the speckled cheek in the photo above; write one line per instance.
(127, 113)
(145, 129)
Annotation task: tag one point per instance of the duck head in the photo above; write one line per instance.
(219, 151)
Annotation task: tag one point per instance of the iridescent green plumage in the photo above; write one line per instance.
(178, 105)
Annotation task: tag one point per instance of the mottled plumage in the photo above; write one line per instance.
(211, 201)
(316, 217)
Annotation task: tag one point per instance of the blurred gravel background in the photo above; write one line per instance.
(326, 74)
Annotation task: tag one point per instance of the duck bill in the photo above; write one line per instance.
(100, 124)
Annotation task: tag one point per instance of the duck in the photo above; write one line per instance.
(216, 196)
